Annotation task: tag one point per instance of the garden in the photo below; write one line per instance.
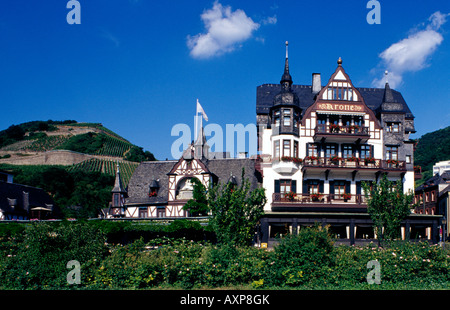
(186, 255)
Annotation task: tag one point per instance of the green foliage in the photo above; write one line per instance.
(137, 154)
(88, 143)
(236, 210)
(198, 205)
(388, 206)
(39, 261)
(34, 256)
(433, 147)
(16, 133)
(303, 258)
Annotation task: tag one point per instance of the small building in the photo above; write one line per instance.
(22, 202)
(160, 189)
(432, 197)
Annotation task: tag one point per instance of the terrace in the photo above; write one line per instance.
(308, 202)
(353, 163)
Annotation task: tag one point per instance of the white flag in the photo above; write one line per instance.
(200, 110)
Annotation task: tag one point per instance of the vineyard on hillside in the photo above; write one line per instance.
(108, 167)
(113, 147)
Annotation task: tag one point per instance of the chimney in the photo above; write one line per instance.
(316, 83)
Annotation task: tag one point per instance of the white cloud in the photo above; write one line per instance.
(269, 20)
(225, 30)
(411, 54)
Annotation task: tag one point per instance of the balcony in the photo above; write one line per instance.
(313, 202)
(338, 133)
(353, 163)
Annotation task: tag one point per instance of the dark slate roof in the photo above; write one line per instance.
(221, 169)
(443, 178)
(373, 97)
(37, 197)
(143, 176)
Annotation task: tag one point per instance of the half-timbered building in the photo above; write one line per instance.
(319, 143)
(160, 189)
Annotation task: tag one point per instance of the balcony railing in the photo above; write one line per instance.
(340, 199)
(353, 162)
(341, 130)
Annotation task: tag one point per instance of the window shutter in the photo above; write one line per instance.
(305, 186)
(331, 187)
(277, 186)
(321, 185)
(294, 186)
(347, 187)
(358, 187)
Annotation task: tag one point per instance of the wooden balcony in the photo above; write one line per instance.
(334, 132)
(353, 163)
(316, 202)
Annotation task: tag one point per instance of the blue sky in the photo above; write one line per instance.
(139, 66)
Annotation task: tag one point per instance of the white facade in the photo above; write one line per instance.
(337, 143)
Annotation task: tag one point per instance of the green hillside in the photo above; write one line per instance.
(432, 148)
(79, 190)
(86, 138)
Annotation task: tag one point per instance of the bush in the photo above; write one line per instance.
(304, 258)
(40, 260)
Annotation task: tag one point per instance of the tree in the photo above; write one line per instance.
(388, 206)
(198, 205)
(236, 211)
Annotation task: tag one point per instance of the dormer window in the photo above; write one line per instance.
(154, 187)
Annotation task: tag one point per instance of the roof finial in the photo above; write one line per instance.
(339, 61)
(287, 43)
(386, 76)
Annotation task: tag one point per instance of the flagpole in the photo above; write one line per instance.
(195, 122)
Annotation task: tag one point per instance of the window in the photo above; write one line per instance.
(295, 149)
(276, 148)
(347, 150)
(286, 147)
(339, 187)
(330, 150)
(276, 117)
(286, 117)
(285, 186)
(393, 127)
(295, 119)
(313, 150)
(358, 120)
(116, 200)
(321, 119)
(313, 187)
(346, 120)
(161, 212)
(143, 212)
(365, 151)
(392, 152)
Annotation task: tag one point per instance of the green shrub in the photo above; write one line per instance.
(39, 261)
(304, 258)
